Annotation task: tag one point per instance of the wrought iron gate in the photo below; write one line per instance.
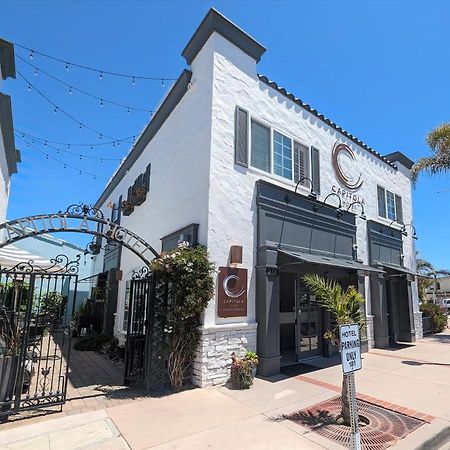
(145, 359)
(36, 309)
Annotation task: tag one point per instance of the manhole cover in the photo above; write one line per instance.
(379, 428)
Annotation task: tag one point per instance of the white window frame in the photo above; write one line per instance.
(126, 307)
(292, 138)
(386, 203)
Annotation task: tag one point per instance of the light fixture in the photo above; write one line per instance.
(339, 210)
(414, 236)
(362, 215)
(311, 194)
(403, 229)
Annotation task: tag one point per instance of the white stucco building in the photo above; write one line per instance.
(9, 156)
(220, 162)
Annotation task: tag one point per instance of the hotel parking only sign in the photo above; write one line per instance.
(350, 347)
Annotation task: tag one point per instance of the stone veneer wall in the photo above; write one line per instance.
(213, 358)
(370, 332)
(418, 326)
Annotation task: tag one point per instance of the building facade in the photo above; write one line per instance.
(233, 161)
(9, 156)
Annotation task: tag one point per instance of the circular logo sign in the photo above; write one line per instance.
(344, 164)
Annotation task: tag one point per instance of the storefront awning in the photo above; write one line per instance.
(399, 269)
(329, 261)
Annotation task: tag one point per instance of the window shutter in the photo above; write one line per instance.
(301, 163)
(315, 169)
(241, 137)
(381, 202)
(398, 208)
(147, 178)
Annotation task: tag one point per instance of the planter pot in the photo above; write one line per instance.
(8, 372)
(138, 199)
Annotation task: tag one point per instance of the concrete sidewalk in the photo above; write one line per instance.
(412, 379)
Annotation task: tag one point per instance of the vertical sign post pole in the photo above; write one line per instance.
(355, 437)
(351, 361)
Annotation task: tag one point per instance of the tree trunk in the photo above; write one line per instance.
(345, 403)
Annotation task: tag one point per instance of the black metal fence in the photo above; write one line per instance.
(35, 334)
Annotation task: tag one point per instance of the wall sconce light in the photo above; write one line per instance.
(403, 229)
(235, 255)
(362, 215)
(414, 236)
(312, 194)
(339, 211)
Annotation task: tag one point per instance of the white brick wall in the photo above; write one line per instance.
(213, 359)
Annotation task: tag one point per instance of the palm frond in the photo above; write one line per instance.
(439, 138)
(431, 165)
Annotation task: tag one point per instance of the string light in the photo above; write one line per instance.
(101, 76)
(29, 88)
(67, 66)
(36, 72)
(63, 111)
(91, 145)
(93, 69)
(65, 165)
(134, 81)
(80, 155)
(101, 103)
(82, 91)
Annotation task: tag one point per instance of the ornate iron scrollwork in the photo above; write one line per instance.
(83, 209)
(60, 264)
(141, 274)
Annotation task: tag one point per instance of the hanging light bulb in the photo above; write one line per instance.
(128, 111)
(57, 151)
(162, 83)
(29, 88)
(80, 172)
(81, 157)
(81, 127)
(95, 177)
(68, 146)
(45, 143)
(36, 72)
(31, 54)
(101, 103)
(70, 90)
(101, 76)
(55, 110)
(67, 66)
(92, 148)
(134, 81)
(65, 166)
(101, 136)
(46, 156)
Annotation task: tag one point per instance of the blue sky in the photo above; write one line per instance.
(378, 69)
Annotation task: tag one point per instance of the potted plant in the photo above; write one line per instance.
(127, 207)
(9, 357)
(243, 370)
(139, 195)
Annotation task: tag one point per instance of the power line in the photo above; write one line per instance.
(71, 144)
(57, 108)
(80, 155)
(74, 88)
(68, 166)
(101, 72)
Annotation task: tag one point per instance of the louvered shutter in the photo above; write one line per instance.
(147, 177)
(381, 202)
(315, 169)
(398, 208)
(241, 137)
(301, 163)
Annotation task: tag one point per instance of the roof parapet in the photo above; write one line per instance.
(216, 22)
(7, 60)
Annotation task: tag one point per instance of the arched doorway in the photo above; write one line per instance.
(37, 306)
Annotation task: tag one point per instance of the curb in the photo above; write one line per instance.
(437, 441)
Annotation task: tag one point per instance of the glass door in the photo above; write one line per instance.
(309, 329)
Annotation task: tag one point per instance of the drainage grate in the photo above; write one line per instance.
(379, 428)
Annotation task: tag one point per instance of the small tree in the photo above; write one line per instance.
(428, 276)
(345, 307)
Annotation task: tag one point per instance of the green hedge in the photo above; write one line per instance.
(438, 318)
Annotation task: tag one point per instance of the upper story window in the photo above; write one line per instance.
(389, 204)
(264, 148)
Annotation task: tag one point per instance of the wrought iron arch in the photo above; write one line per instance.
(80, 218)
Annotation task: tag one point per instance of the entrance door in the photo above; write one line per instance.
(309, 329)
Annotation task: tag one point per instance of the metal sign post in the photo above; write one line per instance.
(351, 361)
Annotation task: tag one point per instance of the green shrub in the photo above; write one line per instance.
(438, 318)
(92, 342)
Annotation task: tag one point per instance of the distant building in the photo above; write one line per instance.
(442, 288)
(9, 156)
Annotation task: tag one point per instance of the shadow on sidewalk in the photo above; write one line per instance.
(423, 363)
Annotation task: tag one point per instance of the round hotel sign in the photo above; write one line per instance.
(345, 166)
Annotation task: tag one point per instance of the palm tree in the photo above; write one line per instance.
(439, 141)
(345, 307)
(427, 272)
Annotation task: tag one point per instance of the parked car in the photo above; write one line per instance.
(446, 304)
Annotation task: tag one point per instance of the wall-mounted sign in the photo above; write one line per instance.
(232, 292)
(345, 166)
